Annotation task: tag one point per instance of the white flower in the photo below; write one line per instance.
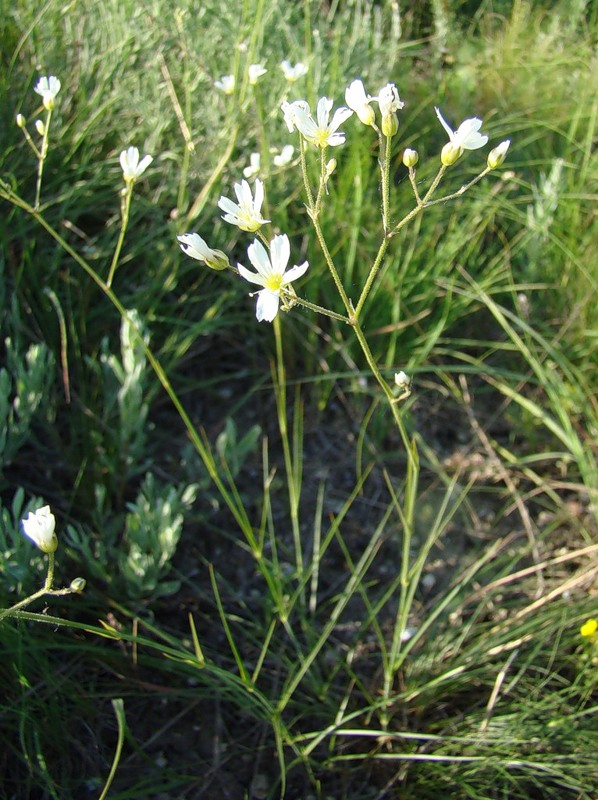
(254, 166)
(291, 73)
(255, 72)
(359, 102)
(247, 214)
(193, 245)
(467, 135)
(132, 167)
(322, 133)
(497, 155)
(289, 110)
(48, 88)
(271, 274)
(402, 380)
(284, 157)
(39, 527)
(388, 99)
(226, 84)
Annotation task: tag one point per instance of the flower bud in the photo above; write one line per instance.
(402, 380)
(450, 153)
(218, 261)
(390, 124)
(39, 527)
(77, 585)
(330, 167)
(40, 127)
(20, 121)
(498, 154)
(366, 114)
(410, 157)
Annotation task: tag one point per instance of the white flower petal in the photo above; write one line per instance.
(193, 245)
(444, 123)
(227, 205)
(267, 305)
(252, 277)
(258, 256)
(323, 111)
(295, 272)
(280, 252)
(340, 115)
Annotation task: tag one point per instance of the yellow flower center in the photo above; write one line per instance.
(321, 137)
(274, 283)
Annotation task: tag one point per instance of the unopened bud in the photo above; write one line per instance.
(366, 114)
(402, 380)
(20, 121)
(40, 127)
(390, 124)
(218, 260)
(498, 155)
(410, 157)
(450, 153)
(330, 167)
(77, 585)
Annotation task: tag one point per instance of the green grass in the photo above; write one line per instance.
(292, 596)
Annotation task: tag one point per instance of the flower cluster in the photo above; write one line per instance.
(322, 129)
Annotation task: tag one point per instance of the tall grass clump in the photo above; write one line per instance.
(310, 507)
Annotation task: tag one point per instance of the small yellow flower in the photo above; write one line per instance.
(589, 628)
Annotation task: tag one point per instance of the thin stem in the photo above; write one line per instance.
(388, 393)
(124, 221)
(418, 199)
(13, 611)
(372, 275)
(460, 191)
(385, 170)
(313, 209)
(281, 406)
(42, 158)
(50, 575)
(30, 142)
(320, 309)
(119, 710)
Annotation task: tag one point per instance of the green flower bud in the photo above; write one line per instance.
(498, 154)
(410, 157)
(450, 153)
(390, 124)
